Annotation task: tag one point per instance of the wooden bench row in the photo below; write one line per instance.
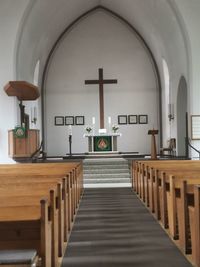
(170, 189)
(38, 203)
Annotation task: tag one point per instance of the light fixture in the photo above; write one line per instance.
(171, 112)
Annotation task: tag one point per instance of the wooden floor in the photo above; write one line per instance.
(114, 229)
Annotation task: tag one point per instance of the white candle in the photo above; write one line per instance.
(70, 130)
(109, 120)
(93, 120)
(35, 113)
(31, 114)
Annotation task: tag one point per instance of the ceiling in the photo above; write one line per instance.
(157, 21)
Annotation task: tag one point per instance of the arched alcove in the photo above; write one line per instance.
(166, 101)
(181, 116)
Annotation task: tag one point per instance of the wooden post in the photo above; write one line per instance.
(153, 143)
(195, 249)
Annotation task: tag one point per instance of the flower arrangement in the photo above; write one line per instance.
(88, 129)
(115, 127)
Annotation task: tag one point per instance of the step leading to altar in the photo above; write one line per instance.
(106, 172)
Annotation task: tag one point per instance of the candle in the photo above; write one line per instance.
(93, 120)
(31, 114)
(109, 120)
(35, 113)
(70, 130)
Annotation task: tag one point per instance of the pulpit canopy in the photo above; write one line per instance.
(22, 90)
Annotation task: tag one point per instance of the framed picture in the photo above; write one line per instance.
(59, 120)
(122, 119)
(69, 120)
(132, 119)
(79, 120)
(143, 119)
(195, 127)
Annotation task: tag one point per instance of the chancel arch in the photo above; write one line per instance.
(100, 39)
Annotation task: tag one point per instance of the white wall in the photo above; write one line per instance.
(159, 22)
(161, 27)
(100, 40)
(10, 16)
(190, 15)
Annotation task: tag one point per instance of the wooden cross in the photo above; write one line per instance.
(101, 82)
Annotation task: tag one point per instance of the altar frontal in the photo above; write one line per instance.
(102, 143)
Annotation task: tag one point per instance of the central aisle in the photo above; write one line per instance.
(114, 229)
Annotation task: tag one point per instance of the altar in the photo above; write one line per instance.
(102, 142)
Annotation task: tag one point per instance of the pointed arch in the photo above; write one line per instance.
(139, 36)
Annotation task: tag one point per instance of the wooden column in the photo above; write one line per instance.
(153, 143)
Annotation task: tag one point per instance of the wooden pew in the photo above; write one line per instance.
(27, 191)
(27, 227)
(160, 183)
(170, 189)
(53, 169)
(140, 167)
(173, 194)
(76, 189)
(61, 200)
(146, 171)
(188, 214)
(194, 220)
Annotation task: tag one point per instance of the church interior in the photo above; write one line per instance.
(99, 133)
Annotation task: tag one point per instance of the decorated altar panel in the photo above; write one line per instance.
(102, 142)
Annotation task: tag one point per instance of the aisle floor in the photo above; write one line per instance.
(114, 229)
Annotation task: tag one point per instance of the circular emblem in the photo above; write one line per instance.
(102, 144)
(19, 132)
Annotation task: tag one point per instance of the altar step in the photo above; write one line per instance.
(109, 172)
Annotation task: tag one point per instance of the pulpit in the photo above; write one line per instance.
(102, 142)
(25, 146)
(153, 143)
(22, 141)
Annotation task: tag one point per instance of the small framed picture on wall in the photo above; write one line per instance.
(195, 127)
(59, 120)
(79, 120)
(143, 119)
(132, 119)
(69, 120)
(122, 119)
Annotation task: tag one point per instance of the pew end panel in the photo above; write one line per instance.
(29, 234)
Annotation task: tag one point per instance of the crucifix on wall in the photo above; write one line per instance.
(101, 82)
